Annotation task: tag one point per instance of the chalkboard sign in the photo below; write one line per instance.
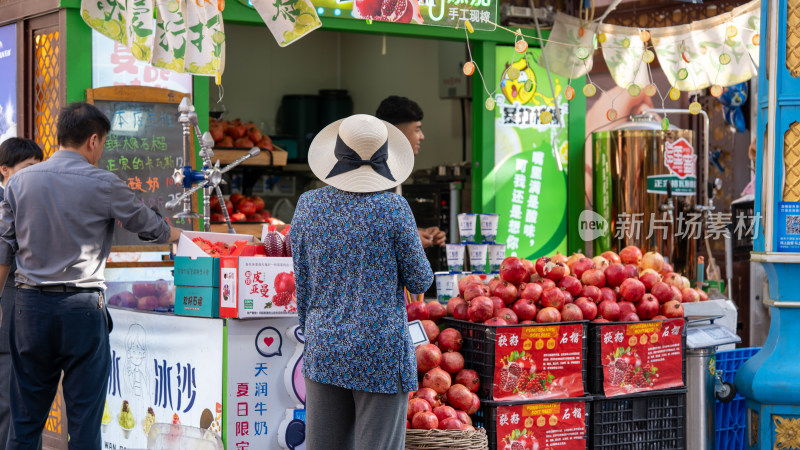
(143, 148)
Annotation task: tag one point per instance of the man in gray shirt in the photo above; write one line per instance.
(57, 222)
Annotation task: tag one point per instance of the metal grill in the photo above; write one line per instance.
(791, 161)
(46, 88)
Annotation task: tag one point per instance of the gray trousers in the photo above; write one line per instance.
(344, 419)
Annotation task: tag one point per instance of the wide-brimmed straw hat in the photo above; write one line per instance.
(361, 153)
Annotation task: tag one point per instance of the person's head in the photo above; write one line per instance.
(406, 115)
(83, 128)
(16, 154)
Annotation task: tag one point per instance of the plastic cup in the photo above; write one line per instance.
(497, 253)
(477, 257)
(489, 227)
(455, 257)
(467, 227)
(446, 286)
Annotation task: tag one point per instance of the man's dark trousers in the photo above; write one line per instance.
(51, 332)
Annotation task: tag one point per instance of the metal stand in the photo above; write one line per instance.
(208, 178)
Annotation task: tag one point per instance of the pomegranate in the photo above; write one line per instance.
(626, 307)
(676, 293)
(662, 291)
(633, 271)
(450, 423)
(494, 282)
(659, 317)
(508, 315)
(513, 271)
(630, 317)
(571, 285)
(400, 11)
(567, 297)
(530, 267)
(435, 311)
(428, 357)
(689, 295)
(459, 396)
(451, 304)
(531, 291)
(632, 290)
(608, 310)
(666, 269)
(452, 362)
(648, 307)
(673, 279)
(525, 309)
(468, 378)
(600, 263)
(672, 309)
(506, 291)
(476, 290)
(582, 265)
(463, 417)
(587, 306)
(575, 257)
(495, 322)
(461, 311)
(450, 340)
(431, 330)
(615, 274)
(445, 412)
(437, 379)
(416, 405)
(466, 281)
(546, 283)
(408, 424)
(601, 320)
(594, 277)
(480, 309)
(593, 293)
(607, 294)
(466, 427)
(553, 298)
(540, 266)
(652, 260)
(417, 311)
(557, 271)
(611, 257)
(571, 313)
(686, 282)
(425, 420)
(497, 302)
(527, 322)
(430, 396)
(559, 258)
(475, 405)
(703, 295)
(649, 278)
(548, 315)
(630, 255)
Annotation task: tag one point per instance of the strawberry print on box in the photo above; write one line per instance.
(642, 356)
(533, 362)
(542, 426)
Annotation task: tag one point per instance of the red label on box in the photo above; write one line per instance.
(641, 356)
(542, 426)
(533, 362)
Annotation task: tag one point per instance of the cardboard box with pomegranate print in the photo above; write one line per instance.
(636, 357)
(252, 287)
(539, 426)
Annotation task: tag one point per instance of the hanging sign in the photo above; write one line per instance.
(288, 20)
(482, 14)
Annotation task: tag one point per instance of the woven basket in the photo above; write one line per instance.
(446, 440)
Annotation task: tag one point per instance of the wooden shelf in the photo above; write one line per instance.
(276, 157)
(251, 228)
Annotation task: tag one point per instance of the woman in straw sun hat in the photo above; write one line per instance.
(355, 246)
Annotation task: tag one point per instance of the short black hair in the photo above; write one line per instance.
(15, 150)
(78, 121)
(396, 109)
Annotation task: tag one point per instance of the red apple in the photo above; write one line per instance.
(608, 310)
(615, 274)
(571, 313)
(571, 285)
(548, 315)
(648, 307)
(611, 257)
(525, 309)
(593, 277)
(630, 255)
(588, 307)
(672, 309)
(632, 290)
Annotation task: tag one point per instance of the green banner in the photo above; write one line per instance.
(531, 184)
(657, 184)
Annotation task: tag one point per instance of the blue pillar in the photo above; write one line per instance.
(771, 379)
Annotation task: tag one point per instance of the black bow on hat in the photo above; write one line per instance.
(348, 160)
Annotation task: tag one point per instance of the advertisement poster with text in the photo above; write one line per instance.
(164, 369)
(542, 426)
(535, 362)
(642, 356)
(8, 82)
(530, 172)
(482, 14)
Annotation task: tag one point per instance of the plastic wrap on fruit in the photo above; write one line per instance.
(287, 246)
(273, 244)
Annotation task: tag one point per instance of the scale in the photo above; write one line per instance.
(708, 335)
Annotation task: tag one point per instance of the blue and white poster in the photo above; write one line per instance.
(787, 227)
(8, 82)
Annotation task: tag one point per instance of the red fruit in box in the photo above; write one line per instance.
(632, 290)
(631, 255)
(495, 322)
(287, 245)
(452, 362)
(662, 291)
(416, 311)
(143, 289)
(476, 290)
(147, 303)
(445, 412)
(532, 291)
(428, 357)
(265, 142)
(464, 417)
(461, 311)
(688, 295)
(466, 281)
(213, 203)
(530, 267)
(593, 293)
(235, 198)
(416, 405)
(571, 313)
(468, 378)
(243, 142)
(437, 379)
(475, 406)
(429, 395)
(601, 320)
(435, 311)
(246, 207)
(494, 282)
(615, 274)
(507, 292)
(659, 317)
(582, 265)
(571, 285)
(217, 132)
(273, 245)
(254, 134)
(626, 307)
(450, 340)
(451, 305)
(508, 315)
(649, 278)
(633, 271)
(513, 271)
(648, 307)
(480, 309)
(672, 309)
(431, 330)
(238, 217)
(226, 142)
(259, 202)
(593, 277)
(459, 397)
(553, 298)
(608, 310)
(167, 299)
(424, 421)
(600, 263)
(588, 308)
(525, 309)
(611, 257)
(630, 317)
(497, 302)
(408, 424)
(540, 266)
(546, 283)
(229, 206)
(548, 315)
(217, 217)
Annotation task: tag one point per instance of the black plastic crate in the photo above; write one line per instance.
(595, 357)
(653, 420)
(479, 350)
(487, 417)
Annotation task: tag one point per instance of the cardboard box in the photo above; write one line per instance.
(196, 271)
(253, 287)
(200, 301)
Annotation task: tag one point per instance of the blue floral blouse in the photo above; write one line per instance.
(353, 253)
